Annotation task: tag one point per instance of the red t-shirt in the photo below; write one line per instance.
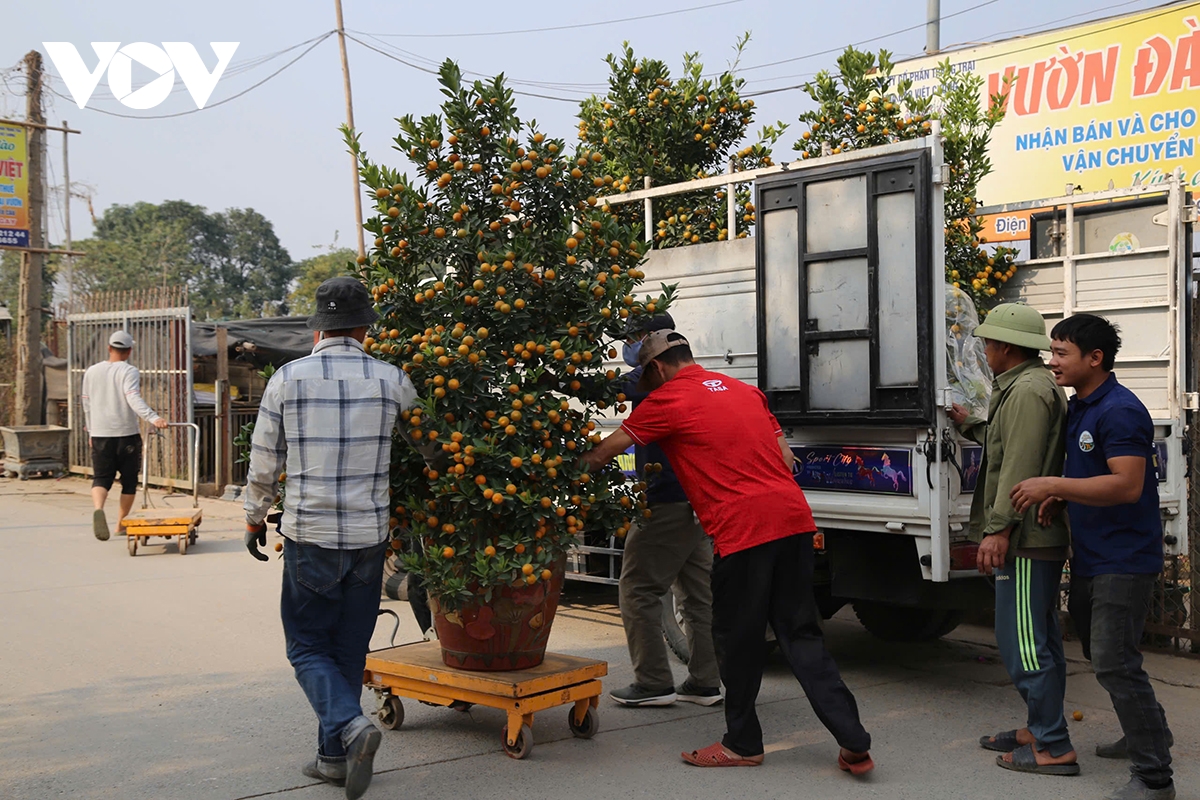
(722, 441)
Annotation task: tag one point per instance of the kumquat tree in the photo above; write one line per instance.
(861, 105)
(502, 283)
(650, 125)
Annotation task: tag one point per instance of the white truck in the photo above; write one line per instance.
(837, 309)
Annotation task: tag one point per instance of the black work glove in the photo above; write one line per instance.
(256, 534)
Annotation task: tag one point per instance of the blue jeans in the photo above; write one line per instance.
(1030, 643)
(329, 607)
(1110, 613)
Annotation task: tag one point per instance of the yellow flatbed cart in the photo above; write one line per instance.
(170, 523)
(416, 671)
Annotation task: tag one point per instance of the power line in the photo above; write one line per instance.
(862, 42)
(234, 69)
(554, 28)
(406, 55)
(1170, 9)
(431, 71)
(1041, 27)
(1115, 26)
(247, 90)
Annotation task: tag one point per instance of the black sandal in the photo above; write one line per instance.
(1023, 760)
(1003, 742)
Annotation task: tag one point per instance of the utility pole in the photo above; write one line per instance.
(29, 324)
(933, 26)
(358, 212)
(67, 216)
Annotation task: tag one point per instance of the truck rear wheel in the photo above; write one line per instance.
(903, 624)
(672, 625)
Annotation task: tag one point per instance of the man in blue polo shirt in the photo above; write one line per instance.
(1111, 494)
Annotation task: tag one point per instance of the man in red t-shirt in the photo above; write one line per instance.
(730, 455)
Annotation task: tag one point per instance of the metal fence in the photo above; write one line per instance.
(206, 418)
(162, 353)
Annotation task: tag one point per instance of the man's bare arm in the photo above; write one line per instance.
(1124, 485)
(616, 443)
(789, 458)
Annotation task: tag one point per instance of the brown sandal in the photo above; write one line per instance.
(715, 756)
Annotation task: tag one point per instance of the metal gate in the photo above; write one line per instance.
(162, 352)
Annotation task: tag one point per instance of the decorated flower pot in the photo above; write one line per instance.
(508, 632)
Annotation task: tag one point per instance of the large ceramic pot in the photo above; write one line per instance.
(509, 632)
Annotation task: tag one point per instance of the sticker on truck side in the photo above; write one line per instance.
(972, 460)
(873, 470)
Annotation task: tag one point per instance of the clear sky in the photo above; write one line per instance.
(277, 149)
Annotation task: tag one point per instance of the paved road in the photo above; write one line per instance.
(163, 677)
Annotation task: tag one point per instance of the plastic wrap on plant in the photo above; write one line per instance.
(966, 362)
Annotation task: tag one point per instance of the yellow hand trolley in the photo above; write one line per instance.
(169, 523)
(416, 671)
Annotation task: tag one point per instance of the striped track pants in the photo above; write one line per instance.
(1030, 642)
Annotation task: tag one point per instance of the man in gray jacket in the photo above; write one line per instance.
(112, 404)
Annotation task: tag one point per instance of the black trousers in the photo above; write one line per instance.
(1110, 613)
(772, 584)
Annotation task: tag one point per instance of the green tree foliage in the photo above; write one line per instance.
(861, 105)
(10, 279)
(231, 261)
(671, 130)
(312, 272)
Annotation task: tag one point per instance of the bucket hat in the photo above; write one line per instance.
(1015, 323)
(342, 303)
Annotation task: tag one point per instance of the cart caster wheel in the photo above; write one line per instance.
(183, 545)
(192, 536)
(391, 713)
(131, 543)
(524, 745)
(586, 730)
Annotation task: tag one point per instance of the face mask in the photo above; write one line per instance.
(629, 352)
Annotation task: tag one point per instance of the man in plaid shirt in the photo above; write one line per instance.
(327, 420)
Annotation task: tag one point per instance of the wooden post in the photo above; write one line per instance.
(358, 212)
(223, 430)
(70, 265)
(731, 206)
(29, 312)
(648, 212)
(1193, 487)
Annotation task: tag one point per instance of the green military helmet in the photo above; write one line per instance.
(1015, 323)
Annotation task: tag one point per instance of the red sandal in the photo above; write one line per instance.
(856, 768)
(715, 756)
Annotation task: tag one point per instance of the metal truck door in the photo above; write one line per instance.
(845, 268)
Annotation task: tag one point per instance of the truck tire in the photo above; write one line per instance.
(672, 625)
(902, 624)
(675, 633)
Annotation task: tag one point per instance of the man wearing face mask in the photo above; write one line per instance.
(667, 547)
(735, 464)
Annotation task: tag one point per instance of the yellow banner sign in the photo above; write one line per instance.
(14, 187)
(1111, 101)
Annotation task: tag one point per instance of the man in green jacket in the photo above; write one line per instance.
(1024, 437)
